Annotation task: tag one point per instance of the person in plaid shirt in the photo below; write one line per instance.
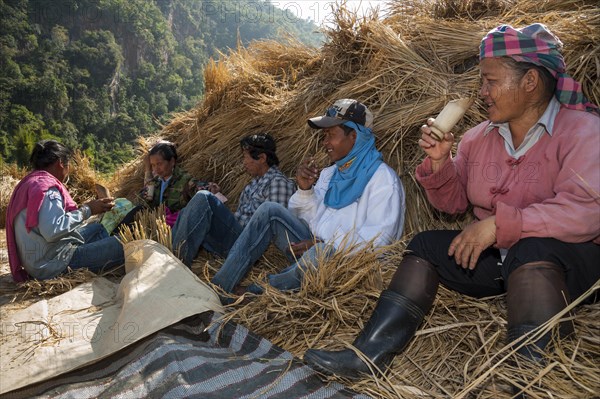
(207, 222)
(268, 183)
(532, 176)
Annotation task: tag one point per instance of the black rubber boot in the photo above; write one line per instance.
(536, 292)
(393, 323)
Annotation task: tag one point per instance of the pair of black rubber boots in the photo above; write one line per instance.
(536, 292)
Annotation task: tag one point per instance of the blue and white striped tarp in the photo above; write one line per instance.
(184, 360)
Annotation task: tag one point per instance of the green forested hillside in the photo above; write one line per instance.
(98, 73)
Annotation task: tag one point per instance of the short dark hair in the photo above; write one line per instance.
(166, 149)
(46, 152)
(521, 68)
(262, 143)
(347, 129)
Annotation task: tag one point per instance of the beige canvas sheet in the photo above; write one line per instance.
(97, 319)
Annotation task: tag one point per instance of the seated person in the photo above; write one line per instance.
(207, 222)
(357, 199)
(166, 183)
(531, 172)
(45, 229)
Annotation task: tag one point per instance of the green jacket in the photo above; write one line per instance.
(180, 190)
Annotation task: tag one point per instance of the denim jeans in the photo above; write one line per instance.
(99, 251)
(290, 278)
(271, 222)
(205, 221)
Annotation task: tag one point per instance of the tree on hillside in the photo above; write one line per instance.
(98, 74)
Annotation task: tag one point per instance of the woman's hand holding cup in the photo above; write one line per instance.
(437, 151)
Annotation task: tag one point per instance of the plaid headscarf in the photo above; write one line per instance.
(537, 45)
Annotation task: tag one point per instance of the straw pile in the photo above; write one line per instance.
(10, 176)
(460, 351)
(405, 69)
(37, 289)
(7, 184)
(83, 178)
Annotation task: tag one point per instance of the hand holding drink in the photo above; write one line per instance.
(307, 173)
(449, 117)
(436, 138)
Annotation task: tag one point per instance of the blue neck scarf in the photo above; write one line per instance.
(354, 171)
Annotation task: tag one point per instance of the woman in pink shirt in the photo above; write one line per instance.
(531, 173)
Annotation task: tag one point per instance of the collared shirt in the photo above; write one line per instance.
(551, 192)
(163, 186)
(544, 125)
(273, 186)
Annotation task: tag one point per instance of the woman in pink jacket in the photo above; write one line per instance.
(531, 173)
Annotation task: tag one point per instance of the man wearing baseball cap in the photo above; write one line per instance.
(356, 200)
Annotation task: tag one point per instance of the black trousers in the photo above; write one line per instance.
(581, 262)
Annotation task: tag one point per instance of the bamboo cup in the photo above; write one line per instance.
(449, 117)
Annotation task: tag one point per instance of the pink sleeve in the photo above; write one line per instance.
(446, 189)
(509, 224)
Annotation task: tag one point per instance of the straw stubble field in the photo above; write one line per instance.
(404, 68)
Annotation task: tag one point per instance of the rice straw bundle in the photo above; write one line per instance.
(35, 289)
(331, 302)
(149, 224)
(83, 178)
